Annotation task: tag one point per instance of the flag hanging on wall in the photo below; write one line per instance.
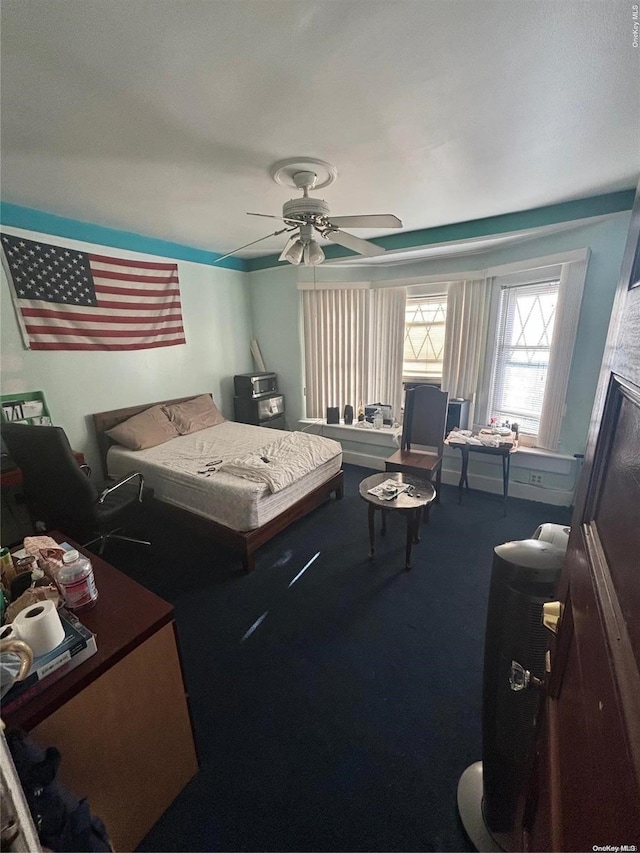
(70, 300)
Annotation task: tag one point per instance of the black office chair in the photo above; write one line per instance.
(60, 496)
(425, 419)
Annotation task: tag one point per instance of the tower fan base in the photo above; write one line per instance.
(470, 793)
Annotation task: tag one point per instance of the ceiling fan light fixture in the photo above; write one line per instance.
(294, 253)
(313, 254)
(308, 215)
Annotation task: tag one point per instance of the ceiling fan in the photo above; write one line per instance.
(305, 216)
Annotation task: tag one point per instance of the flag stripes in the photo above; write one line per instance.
(70, 300)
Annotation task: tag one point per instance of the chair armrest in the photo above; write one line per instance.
(126, 479)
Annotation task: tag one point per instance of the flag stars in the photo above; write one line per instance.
(52, 274)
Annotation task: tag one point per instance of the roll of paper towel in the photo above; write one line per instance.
(40, 627)
(9, 632)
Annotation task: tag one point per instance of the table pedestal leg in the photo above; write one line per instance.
(412, 528)
(383, 526)
(372, 531)
(464, 480)
(506, 464)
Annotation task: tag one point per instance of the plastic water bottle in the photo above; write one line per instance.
(76, 582)
(7, 570)
(378, 420)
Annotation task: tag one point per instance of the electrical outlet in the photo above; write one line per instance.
(535, 479)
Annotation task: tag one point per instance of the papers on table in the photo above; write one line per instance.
(381, 493)
(485, 438)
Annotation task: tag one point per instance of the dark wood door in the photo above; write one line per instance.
(585, 790)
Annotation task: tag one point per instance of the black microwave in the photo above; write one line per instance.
(255, 384)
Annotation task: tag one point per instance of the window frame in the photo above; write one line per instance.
(571, 271)
(494, 385)
(433, 290)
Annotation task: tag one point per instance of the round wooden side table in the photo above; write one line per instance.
(410, 502)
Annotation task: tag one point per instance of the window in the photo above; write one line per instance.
(424, 337)
(526, 317)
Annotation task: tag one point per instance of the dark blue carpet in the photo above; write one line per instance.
(344, 720)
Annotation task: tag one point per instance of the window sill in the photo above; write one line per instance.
(543, 460)
(388, 437)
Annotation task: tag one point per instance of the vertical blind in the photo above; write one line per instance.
(353, 347)
(336, 348)
(526, 321)
(386, 319)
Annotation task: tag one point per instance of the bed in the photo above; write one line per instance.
(219, 499)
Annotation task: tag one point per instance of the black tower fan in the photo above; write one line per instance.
(523, 579)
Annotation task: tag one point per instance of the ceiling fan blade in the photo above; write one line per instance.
(356, 244)
(376, 220)
(290, 243)
(259, 240)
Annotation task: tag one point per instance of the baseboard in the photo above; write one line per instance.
(364, 460)
(525, 491)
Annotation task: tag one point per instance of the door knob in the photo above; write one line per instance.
(520, 678)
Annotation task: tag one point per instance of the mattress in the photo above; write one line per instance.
(171, 469)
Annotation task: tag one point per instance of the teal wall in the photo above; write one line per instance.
(276, 322)
(275, 316)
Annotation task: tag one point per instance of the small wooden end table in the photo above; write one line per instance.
(506, 449)
(411, 504)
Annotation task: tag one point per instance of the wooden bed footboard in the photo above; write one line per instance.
(245, 543)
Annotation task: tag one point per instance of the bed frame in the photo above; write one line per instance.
(245, 543)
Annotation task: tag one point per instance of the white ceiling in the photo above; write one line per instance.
(162, 117)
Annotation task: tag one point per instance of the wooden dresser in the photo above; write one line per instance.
(121, 719)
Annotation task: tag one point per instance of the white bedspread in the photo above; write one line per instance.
(172, 470)
(282, 462)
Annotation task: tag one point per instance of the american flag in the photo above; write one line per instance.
(70, 300)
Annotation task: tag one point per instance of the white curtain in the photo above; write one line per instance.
(353, 346)
(572, 279)
(468, 304)
(386, 346)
